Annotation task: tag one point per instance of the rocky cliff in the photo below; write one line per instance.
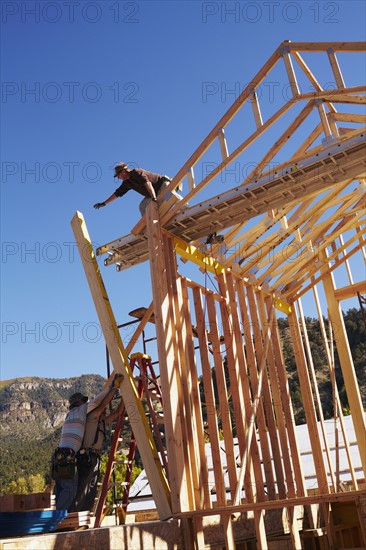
(35, 407)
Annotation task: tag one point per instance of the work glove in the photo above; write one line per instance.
(117, 380)
(99, 205)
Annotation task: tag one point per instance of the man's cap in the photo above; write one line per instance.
(119, 168)
(77, 398)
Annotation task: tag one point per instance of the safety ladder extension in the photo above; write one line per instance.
(148, 390)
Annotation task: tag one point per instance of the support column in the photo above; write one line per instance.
(308, 403)
(168, 363)
(345, 359)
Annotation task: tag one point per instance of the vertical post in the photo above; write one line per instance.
(168, 362)
(203, 496)
(290, 71)
(190, 176)
(323, 118)
(336, 69)
(256, 109)
(223, 144)
(345, 359)
(308, 402)
(316, 394)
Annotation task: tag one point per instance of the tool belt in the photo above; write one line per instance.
(64, 463)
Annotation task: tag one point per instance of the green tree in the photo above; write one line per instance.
(25, 485)
(36, 483)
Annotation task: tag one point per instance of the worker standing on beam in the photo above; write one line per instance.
(148, 184)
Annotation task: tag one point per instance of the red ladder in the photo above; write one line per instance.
(148, 389)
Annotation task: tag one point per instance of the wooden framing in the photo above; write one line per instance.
(121, 365)
(294, 222)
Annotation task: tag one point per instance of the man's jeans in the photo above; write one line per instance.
(146, 200)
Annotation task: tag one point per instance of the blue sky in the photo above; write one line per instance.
(89, 84)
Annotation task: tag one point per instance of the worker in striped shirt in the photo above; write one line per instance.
(64, 463)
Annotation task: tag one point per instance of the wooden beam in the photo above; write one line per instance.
(203, 490)
(169, 368)
(221, 166)
(258, 379)
(350, 291)
(309, 265)
(336, 95)
(265, 325)
(223, 144)
(237, 373)
(222, 390)
(256, 109)
(308, 403)
(250, 386)
(335, 68)
(348, 496)
(290, 71)
(137, 417)
(350, 117)
(251, 424)
(286, 483)
(337, 409)
(345, 358)
(296, 293)
(190, 177)
(323, 118)
(209, 400)
(179, 338)
(297, 486)
(139, 330)
(316, 395)
(324, 46)
(280, 142)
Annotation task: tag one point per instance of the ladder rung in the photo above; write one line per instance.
(154, 396)
(123, 461)
(119, 484)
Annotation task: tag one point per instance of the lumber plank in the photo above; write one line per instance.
(316, 395)
(338, 414)
(238, 374)
(144, 438)
(345, 357)
(297, 484)
(179, 338)
(251, 424)
(223, 394)
(169, 375)
(283, 456)
(210, 401)
(203, 499)
(348, 496)
(308, 403)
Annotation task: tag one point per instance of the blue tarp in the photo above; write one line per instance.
(29, 523)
